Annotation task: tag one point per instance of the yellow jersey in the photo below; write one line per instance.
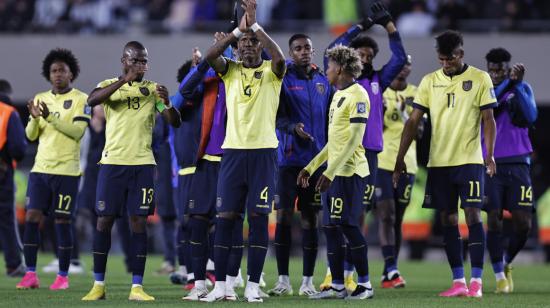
(130, 117)
(252, 99)
(57, 153)
(349, 105)
(455, 104)
(394, 122)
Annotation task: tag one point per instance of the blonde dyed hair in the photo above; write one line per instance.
(347, 58)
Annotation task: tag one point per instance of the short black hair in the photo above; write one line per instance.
(184, 70)
(297, 36)
(134, 45)
(60, 55)
(364, 41)
(5, 87)
(498, 55)
(448, 41)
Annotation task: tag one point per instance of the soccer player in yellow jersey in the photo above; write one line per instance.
(458, 97)
(248, 169)
(58, 120)
(344, 181)
(125, 180)
(391, 203)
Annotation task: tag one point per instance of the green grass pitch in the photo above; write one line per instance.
(424, 281)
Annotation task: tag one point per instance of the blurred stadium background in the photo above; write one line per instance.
(96, 30)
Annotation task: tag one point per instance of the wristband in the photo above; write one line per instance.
(169, 106)
(255, 27)
(237, 33)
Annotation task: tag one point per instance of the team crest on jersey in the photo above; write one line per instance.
(409, 100)
(144, 91)
(320, 88)
(101, 206)
(67, 104)
(467, 85)
(258, 74)
(361, 107)
(375, 87)
(340, 102)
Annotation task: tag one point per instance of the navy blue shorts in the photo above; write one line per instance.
(247, 179)
(164, 201)
(369, 199)
(446, 185)
(385, 191)
(184, 189)
(202, 199)
(308, 198)
(86, 196)
(343, 202)
(509, 189)
(52, 194)
(125, 189)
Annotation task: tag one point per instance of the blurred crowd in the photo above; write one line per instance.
(415, 18)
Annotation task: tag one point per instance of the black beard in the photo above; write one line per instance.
(367, 70)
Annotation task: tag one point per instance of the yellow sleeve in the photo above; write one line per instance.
(486, 92)
(317, 161)
(82, 112)
(422, 97)
(231, 65)
(105, 83)
(33, 128)
(357, 130)
(73, 130)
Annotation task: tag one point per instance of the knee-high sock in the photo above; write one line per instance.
(139, 256)
(358, 249)
(199, 246)
(64, 233)
(181, 245)
(335, 252)
(310, 242)
(517, 242)
(453, 249)
(476, 246)
(123, 229)
(494, 246)
(222, 245)
(31, 238)
(101, 246)
(75, 252)
(258, 240)
(399, 212)
(283, 240)
(236, 252)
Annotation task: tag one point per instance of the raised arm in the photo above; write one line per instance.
(398, 58)
(214, 54)
(344, 39)
(278, 65)
(170, 114)
(99, 95)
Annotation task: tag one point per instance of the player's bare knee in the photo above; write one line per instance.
(63, 221)
(138, 224)
(33, 216)
(308, 220)
(105, 223)
(522, 221)
(228, 215)
(473, 216)
(284, 216)
(449, 219)
(494, 221)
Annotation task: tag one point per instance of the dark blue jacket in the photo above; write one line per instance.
(304, 99)
(187, 136)
(13, 149)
